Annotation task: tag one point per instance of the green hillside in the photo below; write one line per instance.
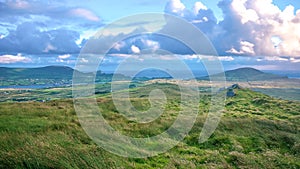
(256, 131)
(49, 72)
(247, 74)
(36, 76)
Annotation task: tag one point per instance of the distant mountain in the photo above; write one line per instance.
(49, 72)
(149, 74)
(247, 74)
(45, 75)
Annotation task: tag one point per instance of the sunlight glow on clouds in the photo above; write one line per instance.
(84, 13)
(257, 22)
(248, 27)
(19, 4)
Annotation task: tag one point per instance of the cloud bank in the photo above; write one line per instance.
(8, 59)
(249, 28)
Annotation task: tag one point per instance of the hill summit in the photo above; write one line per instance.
(247, 74)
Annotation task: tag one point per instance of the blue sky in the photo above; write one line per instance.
(258, 33)
(125, 8)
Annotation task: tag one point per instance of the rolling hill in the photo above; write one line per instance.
(49, 72)
(256, 131)
(247, 74)
(66, 73)
(45, 75)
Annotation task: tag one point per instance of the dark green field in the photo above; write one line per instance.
(256, 131)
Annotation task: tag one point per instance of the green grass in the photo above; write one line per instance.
(47, 94)
(256, 131)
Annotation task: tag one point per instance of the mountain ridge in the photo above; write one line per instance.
(66, 73)
(46, 75)
(245, 74)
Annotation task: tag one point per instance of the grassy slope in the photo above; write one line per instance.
(256, 131)
(46, 94)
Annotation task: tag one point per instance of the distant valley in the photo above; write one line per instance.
(63, 75)
(58, 76)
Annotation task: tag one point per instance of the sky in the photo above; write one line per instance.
(258, 33)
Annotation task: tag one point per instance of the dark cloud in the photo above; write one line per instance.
(200, 16)
(152, 42)
(36, 27)
(232, 30)
(28, 38)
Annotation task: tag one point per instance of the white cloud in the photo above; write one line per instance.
(278, 59)
(295, 60)
(198, 6)
(226, 58)
(66, 56)
(135, 49)
(62, 58)
(198, 14)
(265, 8)
(234, 51)
(288, 13)
(175, 6)
(151, 44)
(7, 59)
(205, 57)
(83, 60)
(258, 22)
(188, 57)
(245, 14)
(121, 55)
(246, 48)
(275, 58)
